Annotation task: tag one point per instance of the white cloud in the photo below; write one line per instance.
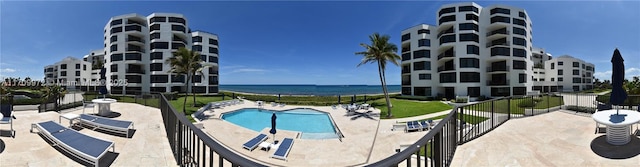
(8, 70)
(629, 74)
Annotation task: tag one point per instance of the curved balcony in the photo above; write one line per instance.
(498, 69)
(498, 82)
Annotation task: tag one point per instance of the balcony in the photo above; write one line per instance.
(498, 68)
(406, 83)
(133, 49)
(499, 31)
(406, 50)
(447, 68)
(448, 31)
(136, 71)
(406, 71)
(496, 43)
(449, 53)
(498, 82)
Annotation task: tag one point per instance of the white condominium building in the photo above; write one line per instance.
(136, 48)
(69, 72)
(473, 51)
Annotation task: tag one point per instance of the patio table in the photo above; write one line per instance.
(104, 106)
(618, 125)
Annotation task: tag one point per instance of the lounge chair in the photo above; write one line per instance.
(602, 107)
(412, 125)
(107, 124)
(273, 104)
(7, 117)
(253, 143)
(425, 125)
(281, 104)
(283, 149)
(84, 147)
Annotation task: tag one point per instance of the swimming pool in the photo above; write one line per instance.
(312, 123)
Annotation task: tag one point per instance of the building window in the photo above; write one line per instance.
(175, 78)
(468, 26)
(560, 79)
(448, 77)
(176, 20)
(84, 67)
(472, 17)
(422, 65)
(213, 59)
(560, 72)
(197, 48)
(576, 64)
(155, 35)
(576, 72)
(553, 79)
(446, 10)
(63, 73)
(469, 37)
(155, 67)
(560, 63)
(424, 76)
(156, 56)
(519, 22)
(447, 19)
(447, 39)
(196, 39)
(114, 47)
(522, 15)
(519, 91)
(473, 49)
(519, 31)
(154, 27)
(406, 37)
(77, 66)
(159, 45)
(406, 56)
(116, 22)
(114, 38)
(519, 52)
(501, 19)
(422, 91)
(421, 54)
(500, 10)
(77, 73)
(424, 31)
(522, 78)
(213, 41)
(469, 63)
(159, 78)
(116, 30)
(519, 65)
(468, 8)
(519, 41)
(473, 91)
(469, 77)
(424, 42)
(553, 66)
(116, 57)
(577, 80)
(114, 68)
(158, 19)
(500, 51)
(178, 28)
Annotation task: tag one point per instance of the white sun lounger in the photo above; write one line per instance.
(107, 124)
(84, 147)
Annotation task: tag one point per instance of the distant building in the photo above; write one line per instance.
(135, 51)
(70, 71)
(476, 51)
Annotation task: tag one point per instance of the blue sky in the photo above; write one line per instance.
(304, 42)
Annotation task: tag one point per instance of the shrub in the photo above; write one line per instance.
(462, 100)
(581, 109)
(527, 103)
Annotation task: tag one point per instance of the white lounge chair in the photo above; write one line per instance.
(86, 148)
(7, 117)
(107, 124)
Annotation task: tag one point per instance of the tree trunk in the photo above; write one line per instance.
(194, 94)
(384, 90)
(186, 95)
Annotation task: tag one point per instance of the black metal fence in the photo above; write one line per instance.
(191, 146)
(467, 122)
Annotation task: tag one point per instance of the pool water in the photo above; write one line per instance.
(313, 124)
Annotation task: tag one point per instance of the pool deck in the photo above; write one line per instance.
(366, 139)
(147, 146)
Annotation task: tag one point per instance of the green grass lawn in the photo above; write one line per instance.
(408, 108)
(467, 118)
(502, 106)
(200, 101)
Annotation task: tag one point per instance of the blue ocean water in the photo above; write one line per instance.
(317, 90)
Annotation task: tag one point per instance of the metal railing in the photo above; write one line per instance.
(465, 123)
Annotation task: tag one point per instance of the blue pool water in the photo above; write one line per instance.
(313, 124)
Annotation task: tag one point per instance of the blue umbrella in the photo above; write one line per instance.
(618, 94)
(273, 125)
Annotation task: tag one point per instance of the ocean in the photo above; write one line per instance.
(316, 90)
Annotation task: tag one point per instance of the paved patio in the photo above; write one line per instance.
(147, 147)
(560, 138)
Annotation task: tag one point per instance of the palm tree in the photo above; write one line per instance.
(186, 62)
(53, 92)
(380, 51)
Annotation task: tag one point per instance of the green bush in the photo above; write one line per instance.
(461, 100)
(581, 109)
(27, 101)
(419, 98)
(527, 103)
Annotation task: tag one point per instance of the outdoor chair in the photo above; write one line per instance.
(84, 147)
(88, 104)
(253, 143)
(412, 125)
(107, 124)
(602, 107)
(425, 125)
(6, 110)
(283, 149)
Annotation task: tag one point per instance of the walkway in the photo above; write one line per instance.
(558, 138)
